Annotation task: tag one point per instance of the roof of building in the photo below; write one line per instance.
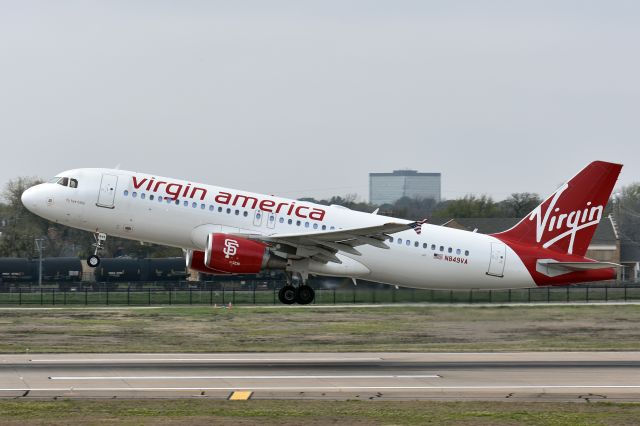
(605, 232)
(405, 173)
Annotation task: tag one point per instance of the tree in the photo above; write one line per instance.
(468, 206)
(626, 208)
(519, 204)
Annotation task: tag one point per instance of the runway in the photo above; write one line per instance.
(556, 376)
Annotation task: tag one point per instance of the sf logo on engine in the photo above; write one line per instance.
(230, 248)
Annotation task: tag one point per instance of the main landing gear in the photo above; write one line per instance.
(93, 261)
(303, 294)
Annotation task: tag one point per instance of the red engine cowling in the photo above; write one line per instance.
(235, 255)
(195, 261)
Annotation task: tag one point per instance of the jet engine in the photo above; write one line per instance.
(227, 254)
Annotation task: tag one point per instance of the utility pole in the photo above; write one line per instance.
(40, 248)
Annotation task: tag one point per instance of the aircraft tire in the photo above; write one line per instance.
(93, 261)
(305, 295)
(288, 295)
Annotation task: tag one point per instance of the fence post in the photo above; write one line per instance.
(567, 294)
(170, 295)
(41, 300)
(509, 296)
(211, 295)
(53, 296)
(373, 296)
(625, 292)
(528, 295)
(490, 296)
(222, 293)
(233, 295)
(548, 294)
(86, 291)
(471, 296)
(128, 295)
(190, 296)
(64, 297)
(354, 295)
(274, 294)
(334, 296)
(450, 296)
(606, 294)
(19, 296)
(149, 296)
(587, 294)
(254, 292)
(107, 296)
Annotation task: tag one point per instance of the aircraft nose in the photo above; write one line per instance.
(30, 198)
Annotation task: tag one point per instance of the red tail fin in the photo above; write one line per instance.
(565, 222)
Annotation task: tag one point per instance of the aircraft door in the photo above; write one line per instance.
(257, 218)
(107, 194)
(497, 260)
(271, 220)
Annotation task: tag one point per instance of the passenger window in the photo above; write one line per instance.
(449, 250)
(298, 223)
(408, 243)
(441, 248)
(159, 199)
(143, 195)
(228, 211)
(399, 240)
(134, 194)
(211, 207)
(416, 244)
(219, 209)
(245, 214)
(177, 202)
(332, 228)
(425, 245)
(237, 212)
(186, 203)
(194, 205)
(324, 227)
(126, 193)
(390, 239)
(433, 246)
(315, 226)
(290, 221)
(306, 224)
(281, 220)
(457, 251)
(151, 197)
(203, 206)
(466, 252)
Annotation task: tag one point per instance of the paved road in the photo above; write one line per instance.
(511, 376)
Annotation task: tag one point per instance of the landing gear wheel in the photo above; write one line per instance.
(93, 261)
(305, 295)
(288, 295)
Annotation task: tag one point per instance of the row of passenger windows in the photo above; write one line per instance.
(220, 209)
(425, 246)
(272, 219)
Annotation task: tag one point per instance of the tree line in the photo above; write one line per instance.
(19, 228)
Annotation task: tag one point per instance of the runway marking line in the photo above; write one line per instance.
(133, 360)
(310, 388)
(240, 395)
(389, 376)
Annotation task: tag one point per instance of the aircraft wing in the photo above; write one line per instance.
(553, 268)
(323, 246)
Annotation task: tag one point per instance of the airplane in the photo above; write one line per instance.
(228, 231)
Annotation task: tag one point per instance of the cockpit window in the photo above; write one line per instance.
(65, 181)
(54, 180)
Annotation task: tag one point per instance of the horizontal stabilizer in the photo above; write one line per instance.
(554, 268)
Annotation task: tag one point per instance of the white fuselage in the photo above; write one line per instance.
(181, 214)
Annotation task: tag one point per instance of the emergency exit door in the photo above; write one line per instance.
(107, 194)
(497, 260)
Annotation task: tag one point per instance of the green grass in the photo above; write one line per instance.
(312, 329)
(312, 412)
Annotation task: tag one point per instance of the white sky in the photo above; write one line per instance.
(306, 98)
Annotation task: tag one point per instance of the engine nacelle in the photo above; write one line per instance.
(195, 261)
(227, 254)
